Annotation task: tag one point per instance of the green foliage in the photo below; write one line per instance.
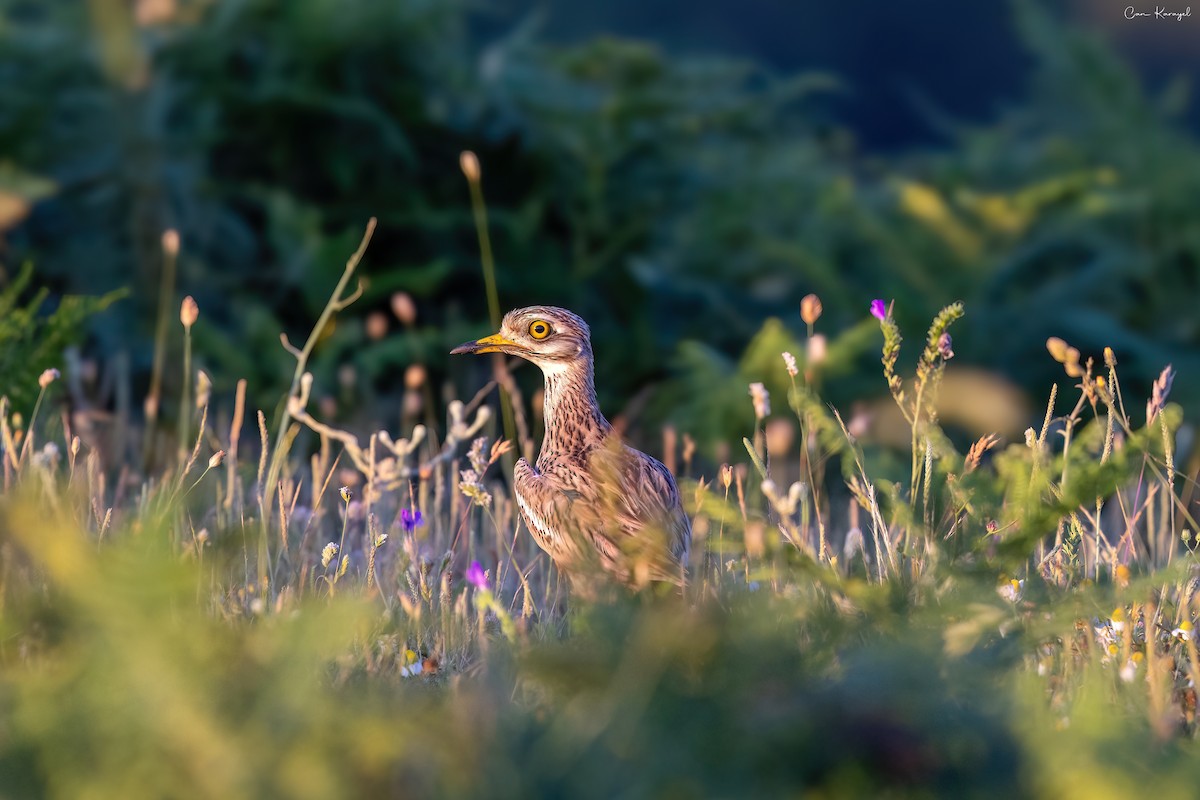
(32, 340)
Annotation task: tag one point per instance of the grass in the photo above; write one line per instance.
(1014, 620)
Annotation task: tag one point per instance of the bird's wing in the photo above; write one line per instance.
(644, 512)
(620, 512)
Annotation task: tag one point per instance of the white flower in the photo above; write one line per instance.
(789, 362)
(1011, 591)
(762, 400)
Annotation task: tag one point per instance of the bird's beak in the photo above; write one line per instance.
(488, 344)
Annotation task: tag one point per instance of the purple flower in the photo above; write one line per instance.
(879, 310)
(476, 576)
(410, 519)
(946, 346)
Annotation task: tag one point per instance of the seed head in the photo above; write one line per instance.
(469, 163)
(1058, 349)
(48, 377)
(810, 309)
(189, 312)
(216, 459)
(346, 494)
(328, 554)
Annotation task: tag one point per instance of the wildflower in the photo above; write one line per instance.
(879, 310)
(471, 484)
(1012, 590)
(762, 400)
(789, 362)
(1118, 619)
(945, 347)
(810, 309)
(48, 377)
(410, 519)
(189, 312)
(216, 459)
(1110, 358)
(345, 493)
(47, 457)
(412, 664)
(476, 455)
(477, 576)
(1129, 671)
(328, 554)
(992, 526)
(1184, 632)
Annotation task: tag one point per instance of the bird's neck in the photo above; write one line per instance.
(571, 413)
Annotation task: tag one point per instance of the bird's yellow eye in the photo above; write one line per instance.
(540, 329)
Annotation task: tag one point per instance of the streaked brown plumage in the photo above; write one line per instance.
(591, 500)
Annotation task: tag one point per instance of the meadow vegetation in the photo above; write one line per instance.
(248, 620)
(268, 548)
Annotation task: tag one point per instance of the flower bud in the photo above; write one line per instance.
(189, 312)
(810, 309)
(469, 163)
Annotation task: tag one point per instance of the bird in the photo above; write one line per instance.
(601, 509)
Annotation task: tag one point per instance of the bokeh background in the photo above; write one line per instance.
(681, 177)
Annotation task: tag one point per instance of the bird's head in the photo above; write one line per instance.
(553, 338)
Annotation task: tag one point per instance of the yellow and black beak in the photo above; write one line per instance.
(496, 343)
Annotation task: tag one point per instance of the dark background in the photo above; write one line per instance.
(679, 176)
